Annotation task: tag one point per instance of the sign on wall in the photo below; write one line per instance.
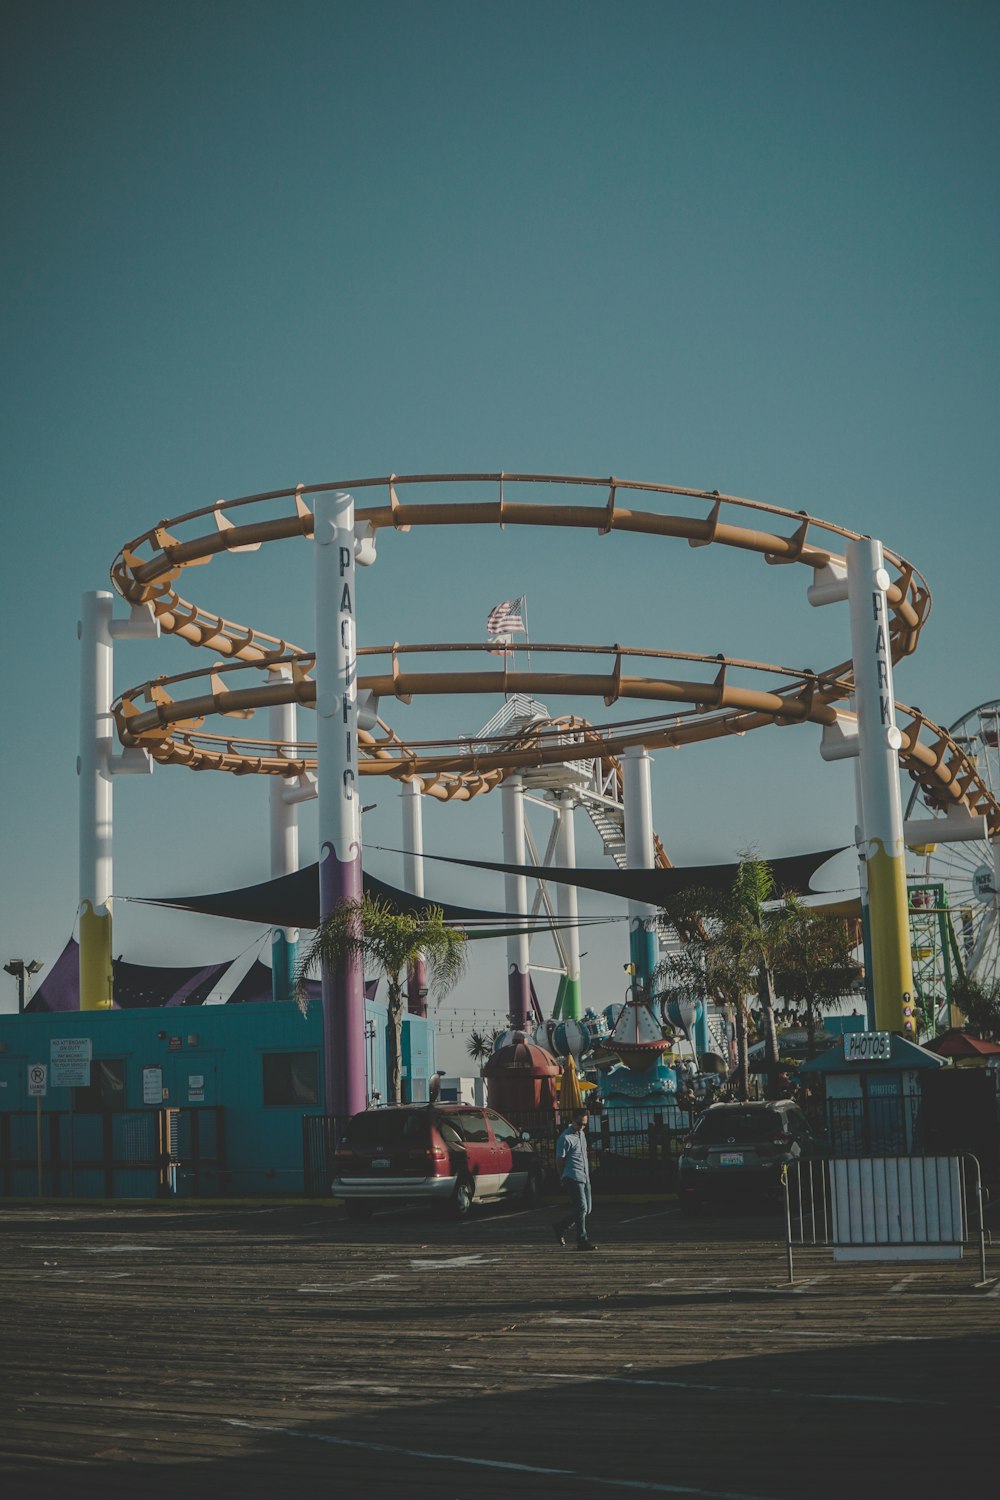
(152, 1085)
(70, 1057)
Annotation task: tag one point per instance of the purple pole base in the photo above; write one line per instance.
(345, 1081)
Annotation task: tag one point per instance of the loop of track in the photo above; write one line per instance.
(146, 569)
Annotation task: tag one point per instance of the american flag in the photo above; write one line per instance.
(505, 618)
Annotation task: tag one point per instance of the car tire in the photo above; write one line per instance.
(461, 1198)
(533, 1190)
(358, 1211)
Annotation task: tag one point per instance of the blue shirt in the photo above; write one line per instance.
(571, 1153)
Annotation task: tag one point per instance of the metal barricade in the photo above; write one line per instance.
(885, 1208)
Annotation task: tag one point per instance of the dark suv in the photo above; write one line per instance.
(449, 1154)
(739, 1151)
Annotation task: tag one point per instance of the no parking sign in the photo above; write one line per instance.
(38, 1080)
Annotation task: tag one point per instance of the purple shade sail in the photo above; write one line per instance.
(136, 986)
(60, 989)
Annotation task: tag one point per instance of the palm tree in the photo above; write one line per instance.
(387, 942)
(480, 1044)
(813, 963)
(979, 1002)
(734, 937)
(707, 966)
(759, 930)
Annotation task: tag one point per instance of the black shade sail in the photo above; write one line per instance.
(293, 900)
(792, 875)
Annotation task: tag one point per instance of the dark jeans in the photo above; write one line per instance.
(580, 1206)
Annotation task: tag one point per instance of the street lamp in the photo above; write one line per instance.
(21, 970)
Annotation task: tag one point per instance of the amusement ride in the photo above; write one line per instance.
(649, 697)
(954, 900)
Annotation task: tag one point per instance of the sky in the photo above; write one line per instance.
(745, 245)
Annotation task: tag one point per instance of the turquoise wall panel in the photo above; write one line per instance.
(207, 1055)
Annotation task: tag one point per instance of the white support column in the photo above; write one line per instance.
(284, 829)
(516, 901)
(345, 1084)
(878, 744)
(640, 855)
(413, 879)
(94, 769)
(568, 909)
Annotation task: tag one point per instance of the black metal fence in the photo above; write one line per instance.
(952, 1112)
(632, 1149)
(112, 1153)
(887, 1126)
(320, 1134)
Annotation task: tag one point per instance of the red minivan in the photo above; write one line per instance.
(450, 1154)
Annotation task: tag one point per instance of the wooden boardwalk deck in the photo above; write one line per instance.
(223, 1352)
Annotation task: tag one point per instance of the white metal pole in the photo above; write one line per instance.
(640, 855)
(94, 768)
(284, 829)
(568, 907)
(878, 744)
(516, 900)
(413, 879)
(339, 799)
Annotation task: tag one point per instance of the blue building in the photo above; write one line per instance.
(181, 1100)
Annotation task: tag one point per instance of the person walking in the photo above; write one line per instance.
(574, 1173)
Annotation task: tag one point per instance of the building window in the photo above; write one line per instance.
(106, 1089)
(291, 1078)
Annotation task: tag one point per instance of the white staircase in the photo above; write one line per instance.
(610, 824)
(717, 1030)
(515, 713)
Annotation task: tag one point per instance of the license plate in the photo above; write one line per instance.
(380, 1161)
(731, 1158)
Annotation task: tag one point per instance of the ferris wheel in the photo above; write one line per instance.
(967, 871)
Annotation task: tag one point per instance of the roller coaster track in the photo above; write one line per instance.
(170, 728)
